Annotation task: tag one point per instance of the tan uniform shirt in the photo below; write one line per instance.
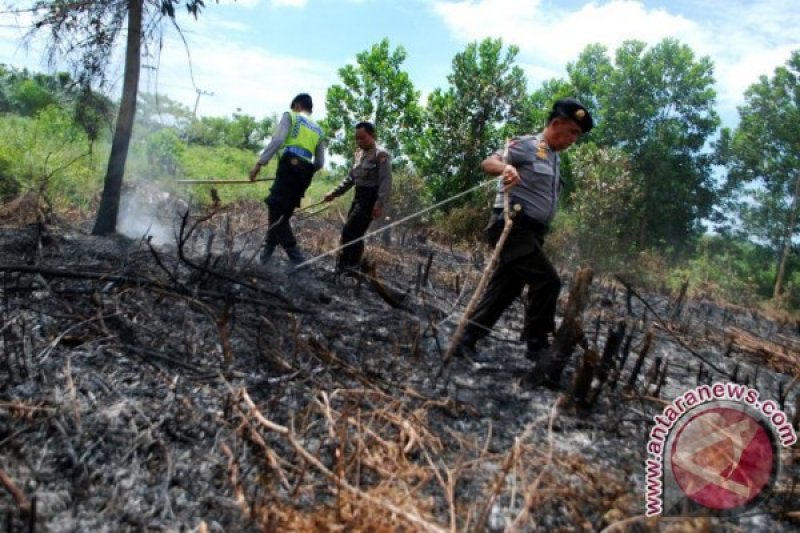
(372, 168)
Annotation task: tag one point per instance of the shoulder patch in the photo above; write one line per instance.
(542, 150)
(383, 157)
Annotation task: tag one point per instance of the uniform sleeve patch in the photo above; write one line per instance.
(382, 158)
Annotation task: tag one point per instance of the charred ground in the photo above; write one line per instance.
(183, 386)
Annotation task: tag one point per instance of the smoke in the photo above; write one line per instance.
(146, 214)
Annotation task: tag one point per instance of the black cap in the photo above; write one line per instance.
(573, 110)
(304, 101)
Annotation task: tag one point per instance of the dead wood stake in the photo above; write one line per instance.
(637, 367)
(462, 324)
(584, 376)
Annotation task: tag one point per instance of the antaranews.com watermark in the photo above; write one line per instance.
(714, 449)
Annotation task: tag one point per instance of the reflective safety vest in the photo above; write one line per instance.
(304, 136)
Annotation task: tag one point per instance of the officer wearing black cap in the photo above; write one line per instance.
(531, 175)
(300, 142)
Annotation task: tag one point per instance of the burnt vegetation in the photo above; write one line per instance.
(182, 386)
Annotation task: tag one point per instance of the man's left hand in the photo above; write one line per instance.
(377, 212)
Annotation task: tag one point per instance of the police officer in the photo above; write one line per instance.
(530, 173)
(372, 176)
(302, 153)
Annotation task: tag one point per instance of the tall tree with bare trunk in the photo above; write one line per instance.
(85, 34)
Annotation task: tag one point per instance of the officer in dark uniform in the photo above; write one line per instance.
(530, 173)
(302, 153)
(371, 175)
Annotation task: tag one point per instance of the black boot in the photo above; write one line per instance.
(536, 346)
(295, 255)
(266, 253)
(466, 346)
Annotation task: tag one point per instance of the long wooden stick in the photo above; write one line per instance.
(309, 206)
(219, 182)
(473, 302)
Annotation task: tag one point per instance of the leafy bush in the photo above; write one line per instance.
(463, 224)
(50, 153)
(164, 150)
(728, 269)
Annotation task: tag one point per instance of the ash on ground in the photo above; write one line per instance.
(185, 387)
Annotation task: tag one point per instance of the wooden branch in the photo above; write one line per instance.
(395, 301)
(780, 357)
(495, 258)
(666, 327)
(412, 518)
(497, 486)
(532, 489)
(22, 502)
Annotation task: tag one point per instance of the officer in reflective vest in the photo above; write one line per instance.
(299, 139)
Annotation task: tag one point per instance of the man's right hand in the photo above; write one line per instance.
(254, 171)
(329, 197)
(510, 177)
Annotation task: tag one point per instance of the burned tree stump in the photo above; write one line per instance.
(607, 365)
(549, 368)
(637, 367)
(584, 376)
(677, 308)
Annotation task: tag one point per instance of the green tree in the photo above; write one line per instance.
(240, 131)
(375, 89)
(164, 150)
(88, 31)
(657, 105)
(466, 121)
(156, 111)
(30, 97)
(604, 202)
(530, 113)
(25, 93)
(762, 157)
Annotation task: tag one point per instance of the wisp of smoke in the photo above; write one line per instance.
(139, 216)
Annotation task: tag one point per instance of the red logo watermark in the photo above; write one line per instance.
(714, 449)
(722, 458)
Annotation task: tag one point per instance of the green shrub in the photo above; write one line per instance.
(9, 186)
(465, 223)
(50, 154)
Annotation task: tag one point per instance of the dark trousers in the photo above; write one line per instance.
(522, 262)
(291, 181)
(358, 220)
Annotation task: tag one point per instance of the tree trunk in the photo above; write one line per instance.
(106, 221)
(787, 241)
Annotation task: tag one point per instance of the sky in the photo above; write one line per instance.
(253, 56)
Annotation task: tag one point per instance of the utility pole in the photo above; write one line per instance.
(197, 100)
